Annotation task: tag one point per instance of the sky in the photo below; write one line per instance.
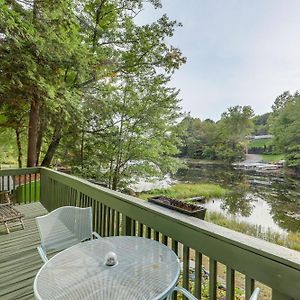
(238, 52)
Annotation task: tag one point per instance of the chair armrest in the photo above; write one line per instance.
(255, 294)
(42, 254)
(96, 235)
(185, 293)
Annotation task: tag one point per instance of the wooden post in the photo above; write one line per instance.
(126, 226)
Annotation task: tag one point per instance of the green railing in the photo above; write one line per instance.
(117, 214)
(24, 184)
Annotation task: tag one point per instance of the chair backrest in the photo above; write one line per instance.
(65, 227)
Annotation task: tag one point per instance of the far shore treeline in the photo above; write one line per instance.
(230, 138)
(84, 87)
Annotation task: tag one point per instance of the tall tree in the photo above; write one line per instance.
(225, 139)
(50, 50)
(130, 131)
(14, 119)
(235, 124)
(286, 131)
(261, 124)
(40, 41)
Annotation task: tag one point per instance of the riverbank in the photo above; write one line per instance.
(272, 158)
(289, 240)
(254, 204)
(188, 190)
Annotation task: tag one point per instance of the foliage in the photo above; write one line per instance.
(188, 190)
(8, 153)
(286, 129)
(223, 140)
(74, 69)
(40, 45)
(281, 101)
(261, 125)
(198, 138)
(236, 124)
(130, 130)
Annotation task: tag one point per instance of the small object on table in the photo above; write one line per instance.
(111, 259)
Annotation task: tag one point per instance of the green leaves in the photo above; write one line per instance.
(224, 140)
(130, 129)
(286, 129)
(99, 78)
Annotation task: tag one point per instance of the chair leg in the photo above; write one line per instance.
(22, 223)
(6, 226)
(185, 293)
(42, 254)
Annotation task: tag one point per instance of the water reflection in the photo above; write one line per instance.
(259, 214)
(269, 200)
(238, 203)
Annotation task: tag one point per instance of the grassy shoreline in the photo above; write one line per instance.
(290, 240)
(272, 158)
(188, 190)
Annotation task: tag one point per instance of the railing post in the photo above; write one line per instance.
(249, 283)
(43, 190)
(230, 282)
(186, 268)
(127, 226)
(212, 279)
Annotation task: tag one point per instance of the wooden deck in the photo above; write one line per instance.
(19, 259)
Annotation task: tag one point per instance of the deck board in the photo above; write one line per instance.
(19, 259)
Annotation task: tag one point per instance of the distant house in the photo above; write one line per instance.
(260, 137)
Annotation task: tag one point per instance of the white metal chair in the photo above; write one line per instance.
(63, 228)
(255, 294)
(183, 292)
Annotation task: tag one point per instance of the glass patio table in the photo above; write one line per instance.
(146, 269)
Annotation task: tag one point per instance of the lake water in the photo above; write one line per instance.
(267, 200)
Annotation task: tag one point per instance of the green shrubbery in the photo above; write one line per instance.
(188, 190)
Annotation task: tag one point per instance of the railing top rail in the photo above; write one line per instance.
(263, 248)
(23, 171)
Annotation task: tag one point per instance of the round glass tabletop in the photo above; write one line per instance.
(146, 269)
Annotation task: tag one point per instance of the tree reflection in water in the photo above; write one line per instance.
(280, 193)
(238, 203)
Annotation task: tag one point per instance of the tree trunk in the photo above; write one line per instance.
(41, 129)
(110, 174)
(53, 146)
(82, 150)
(19, 147)
(115, 180)
(39, 146)
(34, 115)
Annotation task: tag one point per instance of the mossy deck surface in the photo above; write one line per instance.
(19, 259)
